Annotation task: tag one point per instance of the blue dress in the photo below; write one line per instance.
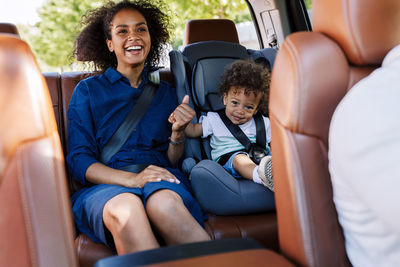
(98, 106)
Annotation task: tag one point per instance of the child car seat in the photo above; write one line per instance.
(197, 70)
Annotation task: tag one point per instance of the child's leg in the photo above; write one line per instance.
(244, 165)
(241, 166)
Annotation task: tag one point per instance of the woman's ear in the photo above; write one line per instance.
(110, 45)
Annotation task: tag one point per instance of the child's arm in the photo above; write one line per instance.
(194, 130)
(191, 130)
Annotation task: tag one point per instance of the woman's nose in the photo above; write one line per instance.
(133, 36)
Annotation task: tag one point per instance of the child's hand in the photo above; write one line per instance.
(171, 118)
(182, 115)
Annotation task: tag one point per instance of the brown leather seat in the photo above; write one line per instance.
(8, 28)
(312, 73)
(198, 30)
(35, 217)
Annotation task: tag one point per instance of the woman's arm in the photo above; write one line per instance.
(176, 146)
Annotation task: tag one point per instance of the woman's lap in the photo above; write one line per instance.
(88, 204)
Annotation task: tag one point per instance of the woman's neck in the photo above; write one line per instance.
(134, 74)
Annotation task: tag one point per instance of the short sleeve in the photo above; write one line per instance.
(206, 123)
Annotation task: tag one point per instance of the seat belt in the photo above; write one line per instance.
(241, 136)
(126, 128)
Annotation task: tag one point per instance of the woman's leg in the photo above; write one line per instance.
(174, 222)
(125, 217)
(244, 166)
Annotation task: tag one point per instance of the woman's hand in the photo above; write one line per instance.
(182, 115)
(152, 174)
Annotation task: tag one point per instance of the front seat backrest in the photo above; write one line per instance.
(312, 73)
(35, 217)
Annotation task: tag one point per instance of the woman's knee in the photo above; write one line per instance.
(121, 208)
(163, 202)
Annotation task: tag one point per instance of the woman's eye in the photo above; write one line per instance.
(142, 29)
(122, 31)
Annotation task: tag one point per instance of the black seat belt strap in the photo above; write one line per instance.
(126, 128)
(240, 135)
(260, 130)
(235, 130)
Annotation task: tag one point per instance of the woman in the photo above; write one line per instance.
(119, 208)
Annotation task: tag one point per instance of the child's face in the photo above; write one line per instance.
(130, 38)
(240, 108)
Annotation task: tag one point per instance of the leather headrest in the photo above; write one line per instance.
(198, 30)
(365, 29)
(24, 98)
(8, 28)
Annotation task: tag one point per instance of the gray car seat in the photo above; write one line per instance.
(197, 70)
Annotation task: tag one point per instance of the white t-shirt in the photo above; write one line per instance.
(364, 161)
(222, 141)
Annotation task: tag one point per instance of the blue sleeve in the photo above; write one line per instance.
(82, 147)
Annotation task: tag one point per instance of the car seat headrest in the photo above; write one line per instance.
(8, 28)
(208, 61)
(365, 29)
(210, 30)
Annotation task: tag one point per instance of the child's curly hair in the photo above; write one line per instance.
(251, 76)
(90, 45)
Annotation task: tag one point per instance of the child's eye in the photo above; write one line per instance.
(234, 102)
(249, 107)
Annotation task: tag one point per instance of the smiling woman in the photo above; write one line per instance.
(87, 44)
(119, 206)
(130, 41)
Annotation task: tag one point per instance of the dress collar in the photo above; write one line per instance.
(113, 75)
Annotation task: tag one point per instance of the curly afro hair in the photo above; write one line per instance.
(90, 45)
(247, 74)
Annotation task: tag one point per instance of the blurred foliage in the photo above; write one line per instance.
(185, 10)
(52, 38)
(308, 3)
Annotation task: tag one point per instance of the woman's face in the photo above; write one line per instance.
(130, 39)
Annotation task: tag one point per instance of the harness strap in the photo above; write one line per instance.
(241, 136)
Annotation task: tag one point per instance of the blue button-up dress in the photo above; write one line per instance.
(98, 106)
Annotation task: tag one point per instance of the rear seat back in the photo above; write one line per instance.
(9, 28)
(210, 29)
(35, 217)
(53, 83)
